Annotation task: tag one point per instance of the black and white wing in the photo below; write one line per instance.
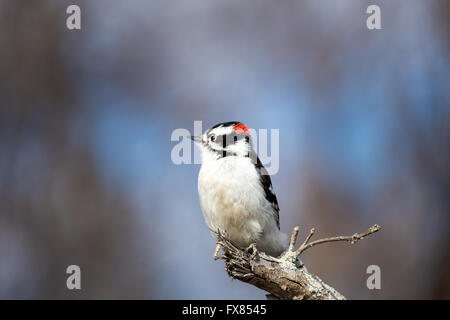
(266, 182)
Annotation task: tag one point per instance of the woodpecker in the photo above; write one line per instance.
(235, 190)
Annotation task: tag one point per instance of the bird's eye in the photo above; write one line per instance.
(212, 138)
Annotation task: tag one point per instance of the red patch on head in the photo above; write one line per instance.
(240, 128)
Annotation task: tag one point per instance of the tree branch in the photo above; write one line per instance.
(354, 238)
(285, 277)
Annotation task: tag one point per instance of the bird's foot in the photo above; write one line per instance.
(252, 249)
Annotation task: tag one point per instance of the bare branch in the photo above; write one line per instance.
(311, 233)
(278, 276)
(284, 277)
(293, 239)
(354, 238)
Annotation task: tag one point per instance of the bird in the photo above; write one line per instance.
(235, 190)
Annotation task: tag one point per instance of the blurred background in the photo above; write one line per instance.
(86, 117)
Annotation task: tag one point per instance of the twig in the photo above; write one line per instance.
(311, 233)
(293, 239)
(354, 238)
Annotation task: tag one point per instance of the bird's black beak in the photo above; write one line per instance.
(195, 138)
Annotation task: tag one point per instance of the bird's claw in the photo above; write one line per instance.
(252, 248)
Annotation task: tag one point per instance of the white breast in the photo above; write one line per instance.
(232, 200)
